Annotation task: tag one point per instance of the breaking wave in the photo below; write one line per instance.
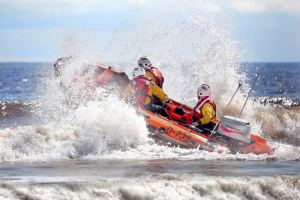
(167, 186)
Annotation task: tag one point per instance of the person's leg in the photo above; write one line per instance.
(157, 110)
(204, 130)
(207, 128)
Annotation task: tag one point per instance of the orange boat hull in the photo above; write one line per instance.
(170, 133)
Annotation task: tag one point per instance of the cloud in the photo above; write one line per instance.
(212, 7)
(248, 6)
(286, 6)
(59, 7)
(138, 1)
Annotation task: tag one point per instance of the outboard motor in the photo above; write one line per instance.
(235, 128)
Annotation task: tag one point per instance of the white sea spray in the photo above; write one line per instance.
(167, 186)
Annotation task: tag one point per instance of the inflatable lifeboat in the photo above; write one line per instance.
(231, 136)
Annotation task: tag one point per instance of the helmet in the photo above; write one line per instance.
(204, 90)
(138, 71)
(144, 62)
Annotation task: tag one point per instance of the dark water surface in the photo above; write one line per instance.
(104, 169)
(275, 79)
(22, 81)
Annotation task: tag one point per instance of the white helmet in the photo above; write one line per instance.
(138, 71)
(144, 62)
(204, 90)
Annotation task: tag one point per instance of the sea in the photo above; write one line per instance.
(56, 145)
(100, 150)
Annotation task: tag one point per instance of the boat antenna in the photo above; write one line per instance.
(249, 94)
(225, 110)
(231, 100)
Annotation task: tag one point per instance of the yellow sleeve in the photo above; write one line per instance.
(128, 91)
(208, 113)
(157, 91)
(128, 95)
(149, 75)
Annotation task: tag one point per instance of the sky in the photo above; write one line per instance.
(34, 30)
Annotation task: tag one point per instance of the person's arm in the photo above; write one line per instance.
(128, 91)
(149, 75)
(208, 113)
(128, 94)
(157, 91)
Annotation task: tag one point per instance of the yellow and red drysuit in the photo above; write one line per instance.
(204, 112)
(155, 75)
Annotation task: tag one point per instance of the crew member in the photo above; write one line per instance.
(145, 92)
(204, 113)
(152, 72)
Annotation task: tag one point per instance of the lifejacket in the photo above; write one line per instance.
(197, 112)
(159, 79)
(141, 86)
